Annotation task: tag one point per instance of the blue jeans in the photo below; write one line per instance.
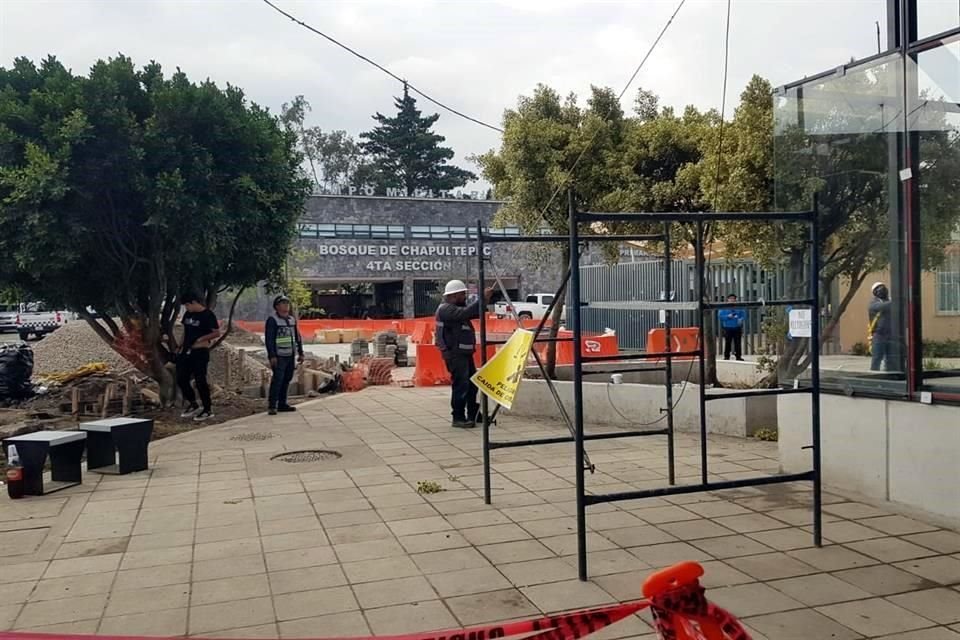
(280, 383)
(880, 352)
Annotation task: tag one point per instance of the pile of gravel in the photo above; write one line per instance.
(75, 344)
(72, 346)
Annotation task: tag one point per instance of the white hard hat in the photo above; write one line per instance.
(454, 286)
(875, 285)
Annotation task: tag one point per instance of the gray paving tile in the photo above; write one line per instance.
(884, 580)
(874, 617)
(801, 625)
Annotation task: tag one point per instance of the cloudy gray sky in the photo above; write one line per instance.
(475, 55)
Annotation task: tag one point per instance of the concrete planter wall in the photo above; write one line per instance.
(887, 450)
(639, 401)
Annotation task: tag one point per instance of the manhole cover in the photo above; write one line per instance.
(309, 455)
(252, 437)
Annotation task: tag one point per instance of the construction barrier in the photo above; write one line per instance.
(407, 326)
(680, 610)
(599, 345)
(681, 338)
(430, 370)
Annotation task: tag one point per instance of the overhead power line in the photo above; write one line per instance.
(623, 92)
(379, 66)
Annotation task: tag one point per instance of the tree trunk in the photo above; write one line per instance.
(710, 349)
(555, 319)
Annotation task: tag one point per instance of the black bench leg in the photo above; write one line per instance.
(132, 443)
(100, 450)
(65, 462)
(32, 456)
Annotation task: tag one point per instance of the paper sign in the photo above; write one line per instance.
(801, 323)
(500, 378)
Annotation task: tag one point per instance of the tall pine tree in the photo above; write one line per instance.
(406, 154)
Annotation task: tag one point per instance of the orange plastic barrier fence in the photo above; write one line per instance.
(430, 370)
(601, 345)
(683, 339)
(407, 326)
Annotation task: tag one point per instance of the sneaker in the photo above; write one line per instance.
(463, 424)
(286, 408)
(272, 411)
(203, 415)
(190, 412)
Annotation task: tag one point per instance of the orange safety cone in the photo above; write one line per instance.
(681, 610)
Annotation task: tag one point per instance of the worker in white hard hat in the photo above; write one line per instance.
(457, 341)
(879, 329)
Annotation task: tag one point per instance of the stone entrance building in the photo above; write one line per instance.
(389, 256)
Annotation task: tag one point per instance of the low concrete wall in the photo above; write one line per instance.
(885, 450)
(633, 405)
(741, 374)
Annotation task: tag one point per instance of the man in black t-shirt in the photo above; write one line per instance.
(200, 329)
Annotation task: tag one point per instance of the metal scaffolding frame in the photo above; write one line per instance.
(489, 418)
(810, 218)
(576, 424)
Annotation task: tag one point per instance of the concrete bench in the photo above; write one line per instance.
(65, 449)
(117, 445)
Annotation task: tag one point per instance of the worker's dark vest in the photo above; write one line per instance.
(453, 337)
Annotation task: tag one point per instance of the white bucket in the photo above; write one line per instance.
(616, 378)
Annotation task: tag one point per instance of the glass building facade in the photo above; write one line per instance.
(878, 141)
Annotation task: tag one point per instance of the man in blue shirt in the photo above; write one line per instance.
(731, 323)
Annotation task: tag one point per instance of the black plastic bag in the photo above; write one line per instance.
(16, 367)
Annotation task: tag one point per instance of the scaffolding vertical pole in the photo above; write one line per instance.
(815, 372)
(701, 323)
(484, 401)
(668, 364)
(577, 387)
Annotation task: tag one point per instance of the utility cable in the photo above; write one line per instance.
(381, 68)
(623, 92)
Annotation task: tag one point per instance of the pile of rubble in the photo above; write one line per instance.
(72, 346)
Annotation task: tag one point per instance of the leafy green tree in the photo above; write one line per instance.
(405, 154)
(537, 165)
(334, 159)
(124, 188)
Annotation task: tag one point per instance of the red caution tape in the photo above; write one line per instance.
(680, 612)
(569, 626)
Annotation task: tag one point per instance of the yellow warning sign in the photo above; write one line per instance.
(501, 376)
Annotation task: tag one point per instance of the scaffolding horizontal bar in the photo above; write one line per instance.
(643, 237)
(642, 356)
(563, 439)
(755, 393)
(753, 304)
(705, 216)
(643, 305)
(677, 490)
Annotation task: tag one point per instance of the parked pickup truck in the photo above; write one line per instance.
(35, 319)
(8, 317)
(533, 308)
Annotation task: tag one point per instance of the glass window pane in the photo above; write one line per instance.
(937, 16)
(934, 117)
(420, 232)
(834, 137)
